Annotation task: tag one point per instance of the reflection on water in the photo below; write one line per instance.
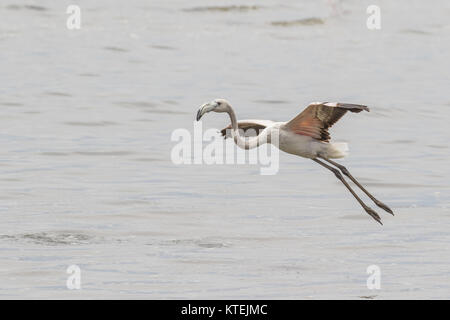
(49, 239)
(300, 22)
(28, 7)
(235, 8)
(87, 117)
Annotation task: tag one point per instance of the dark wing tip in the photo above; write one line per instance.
(224, 132)
(353, 107)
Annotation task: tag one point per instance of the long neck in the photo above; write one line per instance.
(248, 143)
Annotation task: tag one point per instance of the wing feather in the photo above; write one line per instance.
(315, 120)
(246, 125)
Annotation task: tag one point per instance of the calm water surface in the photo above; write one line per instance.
(86, 176)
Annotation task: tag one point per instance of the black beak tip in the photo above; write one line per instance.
(199, 115)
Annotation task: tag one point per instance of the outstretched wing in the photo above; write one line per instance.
(315, 120)
(256, 125)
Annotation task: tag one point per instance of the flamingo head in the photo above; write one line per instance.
(217, 105)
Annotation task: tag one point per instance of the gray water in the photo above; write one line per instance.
(87, 179)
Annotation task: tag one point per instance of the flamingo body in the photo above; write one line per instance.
(306, 136)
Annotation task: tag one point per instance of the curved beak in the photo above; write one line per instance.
(205, 108)
(199, 113)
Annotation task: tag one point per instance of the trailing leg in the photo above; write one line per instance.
(347, 173)
(338, 175)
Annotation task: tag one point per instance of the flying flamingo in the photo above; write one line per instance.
(306, 136)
